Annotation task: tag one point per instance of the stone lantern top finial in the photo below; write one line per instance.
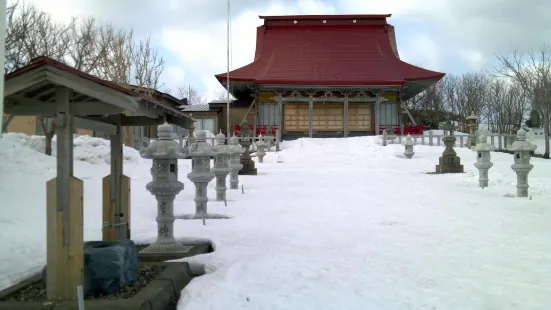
(483, 138)
(234, 140)
(201, 136)
(521, 145)
(220, 138)
(164, 131)
(521, 135)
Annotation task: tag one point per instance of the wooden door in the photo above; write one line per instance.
(328, 117)
(359, 117)
(295, 117)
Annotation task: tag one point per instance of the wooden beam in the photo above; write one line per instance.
(92, 89)
(94, 125)
(20, 105)
(329, 99)
(65, 252)
(116, 188)
(310, 115)
(128, 120)
(248, 111)
(346, 115)
(24, 81)
(377, 113)
(182, 122)
(280, 120)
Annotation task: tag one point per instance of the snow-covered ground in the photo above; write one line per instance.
(340, 224)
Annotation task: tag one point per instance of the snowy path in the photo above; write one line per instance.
(341, 224)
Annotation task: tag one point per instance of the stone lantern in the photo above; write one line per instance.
(521, 150)
(201, 152)
(449, 162)
(408, 143)
(165, 153)
(471, 124)
(483, 163)
(220, 168)
(191, 135)
(260, 151)
(235, 161)
(246, 161)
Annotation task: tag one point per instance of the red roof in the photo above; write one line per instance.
(46, 61)
(328, 50)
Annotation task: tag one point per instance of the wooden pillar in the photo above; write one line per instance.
(346, 115)
(377, 113)
(280, 120)
(116, 195)
(64, 227)
(310, 115)
(400, 114)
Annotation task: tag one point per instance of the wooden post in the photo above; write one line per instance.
(64, 227)
(310, 115)
(346, 115)
(280, 120)
(431, 137)
(377, 113)
(116, 195)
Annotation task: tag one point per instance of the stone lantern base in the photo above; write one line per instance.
(449, 162)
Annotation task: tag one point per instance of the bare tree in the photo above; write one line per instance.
(192, 95)
(100, 50)
(507, 106)
(532, 71)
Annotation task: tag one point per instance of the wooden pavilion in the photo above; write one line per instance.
(325, 75)
(46, 87)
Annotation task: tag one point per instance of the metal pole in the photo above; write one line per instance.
(228, 126)
(2, 57)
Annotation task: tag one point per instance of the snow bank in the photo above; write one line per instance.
(87, 149)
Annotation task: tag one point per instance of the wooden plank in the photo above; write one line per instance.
(359, 117)
(65, 263)
(109, 210)
(328, 117)
(296, 117)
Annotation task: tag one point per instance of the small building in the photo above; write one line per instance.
(324, 76)
(206, 117)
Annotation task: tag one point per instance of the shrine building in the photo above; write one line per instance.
(323, 76)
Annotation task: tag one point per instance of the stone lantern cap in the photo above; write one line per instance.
(483, 145)
(521, 145)
(234, 146)
(220, 147)
(260, 140)
(408, 141)
(201, 147)
(472, 117)
(164, 147)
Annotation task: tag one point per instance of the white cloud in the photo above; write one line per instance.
(421, 50)
(173, 77)
(440, 34)
(473, 58)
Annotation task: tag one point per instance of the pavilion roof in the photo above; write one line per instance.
(328, 50)
(44, 61)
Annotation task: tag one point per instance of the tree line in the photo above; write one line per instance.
(99, 49)
(516, 94)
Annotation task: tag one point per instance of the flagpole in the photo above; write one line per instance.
(228, 75)
(2, 58)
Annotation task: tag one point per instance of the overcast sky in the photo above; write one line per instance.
(451, 36)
